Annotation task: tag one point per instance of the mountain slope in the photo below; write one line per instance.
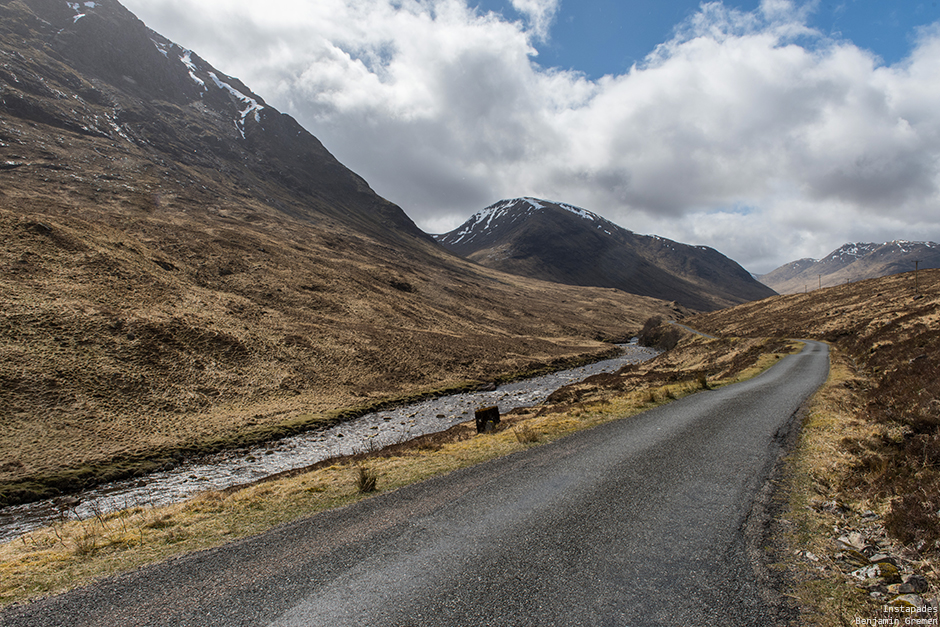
(96, 72)
(558, 242)
(186, 268)
(853, 262)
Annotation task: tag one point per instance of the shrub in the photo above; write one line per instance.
(657, 333)
(366, 479)
(526, 434)
(912, 519)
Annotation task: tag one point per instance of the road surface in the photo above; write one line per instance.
(637, 522)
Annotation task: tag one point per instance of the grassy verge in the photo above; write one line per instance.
(822, 507)
(72, 553)
(811, 515)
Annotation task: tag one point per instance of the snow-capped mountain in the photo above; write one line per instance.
(566, 244)
(853, 262)
(507, 213)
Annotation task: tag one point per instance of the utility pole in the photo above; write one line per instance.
(916, 264)
(820, 281)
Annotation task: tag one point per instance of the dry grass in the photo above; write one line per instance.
(366, 479)
(72, 552)
(176, 288)
(526, 434)
(815, 502)
(110, 363)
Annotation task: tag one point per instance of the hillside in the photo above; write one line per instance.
(184, 267)
(852, 262)
(558, 242)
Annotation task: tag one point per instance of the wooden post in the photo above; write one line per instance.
(487, 419)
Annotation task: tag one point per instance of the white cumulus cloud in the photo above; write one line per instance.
(747, 131)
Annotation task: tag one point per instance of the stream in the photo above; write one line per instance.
(243, 466)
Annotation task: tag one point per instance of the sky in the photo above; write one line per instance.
(771, 130)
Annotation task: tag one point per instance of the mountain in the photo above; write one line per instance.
(853, 262)
(557, 242)
(185, 268)
(86, 76)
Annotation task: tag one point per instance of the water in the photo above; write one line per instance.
(372, 431)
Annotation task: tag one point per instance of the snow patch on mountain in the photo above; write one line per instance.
(251, 105)
(584, 213)
(187, 60)
(850, 252)
(78, 8)
(906, 246)
(161, 47)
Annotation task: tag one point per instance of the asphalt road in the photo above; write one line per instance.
(638, 522)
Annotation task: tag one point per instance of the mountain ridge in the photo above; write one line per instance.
(560, 242)
(853, 261)
(131, 85)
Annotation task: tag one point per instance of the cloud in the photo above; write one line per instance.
(539, 13)
(747, 131)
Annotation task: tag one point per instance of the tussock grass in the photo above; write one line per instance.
(525, 434)
(74, 552)
(366, 479)
(703, 381)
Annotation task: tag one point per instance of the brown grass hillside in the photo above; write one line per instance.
(177, 275)
(130, 333)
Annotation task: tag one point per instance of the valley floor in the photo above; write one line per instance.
(73, 552)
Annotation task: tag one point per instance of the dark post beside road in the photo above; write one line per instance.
(487, 418)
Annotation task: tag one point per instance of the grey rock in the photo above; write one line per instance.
(908, 600)
(915, 584)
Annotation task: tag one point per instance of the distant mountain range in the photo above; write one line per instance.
(852, 262)
(558, 242)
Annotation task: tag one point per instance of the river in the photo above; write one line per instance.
(242, 466)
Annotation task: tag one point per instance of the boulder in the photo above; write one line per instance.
(889, 572)
(908, 600)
